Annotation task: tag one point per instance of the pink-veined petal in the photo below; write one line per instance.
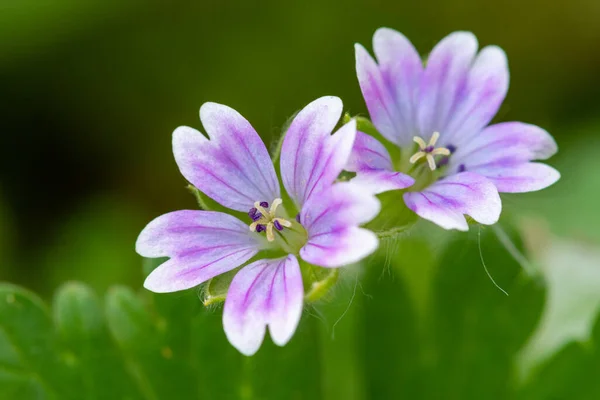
(502, 153)
(332, 219)
(478, 102)
(505, 143)
(381, 105)
(368, 153)
(264, 293)
(443, 81)
(312, 158)
(447, 201)
(201, 244)
(380, 180)
(520, 178)
(401, 69)
(233, 167)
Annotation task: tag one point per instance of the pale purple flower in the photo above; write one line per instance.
(318, 220)
(438, 116)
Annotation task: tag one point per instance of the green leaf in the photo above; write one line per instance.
(77, 311)
(475, 330)
(148, 356)
(420, 310)
(388, 317)
(96, 368)
(28, 365)
(570, 270)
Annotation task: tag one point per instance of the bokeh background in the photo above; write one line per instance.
(90, 94)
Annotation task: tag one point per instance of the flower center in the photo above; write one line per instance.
(429, 151)
(265, 221)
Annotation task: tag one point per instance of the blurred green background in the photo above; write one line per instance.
(90, 93)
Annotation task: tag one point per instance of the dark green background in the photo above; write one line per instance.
(90, 93)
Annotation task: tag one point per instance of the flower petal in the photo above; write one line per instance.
(331, 220)
(266, 292)
(447, 69)
(312, 158)
(502, 153)
(379, 99)
(520, 178)
(377, 181)
(401, 69)
(503, 144)
(485, 90)
(234, 167)
(447, 200)
(201, 244)
(368, 153)
(443, 81)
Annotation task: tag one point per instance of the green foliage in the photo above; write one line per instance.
(430, 316)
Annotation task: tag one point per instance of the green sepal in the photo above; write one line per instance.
(321, 280)
(215, 291)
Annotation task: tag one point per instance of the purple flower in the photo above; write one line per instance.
(438, 115)
(233, 167)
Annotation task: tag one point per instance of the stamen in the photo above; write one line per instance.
(265, 221)
(270, 235)
(261, 210)
(282, 222)
(417, 156)
(440, 151)
(430, 161)
(254, 214)
(462, 168)
(276, 203)
(428, 150)
(420, 142)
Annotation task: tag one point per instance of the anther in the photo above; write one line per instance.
(428, 150)
(265, 221)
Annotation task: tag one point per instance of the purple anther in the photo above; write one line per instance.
(462, 168)
(451, 147)
(260, 228)
(264, 204)
(298, 217)
(428, 149)
(252, 213)
(443, 162)
(277, 225)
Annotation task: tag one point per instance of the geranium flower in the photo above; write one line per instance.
(437, 115)
(318, 220)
